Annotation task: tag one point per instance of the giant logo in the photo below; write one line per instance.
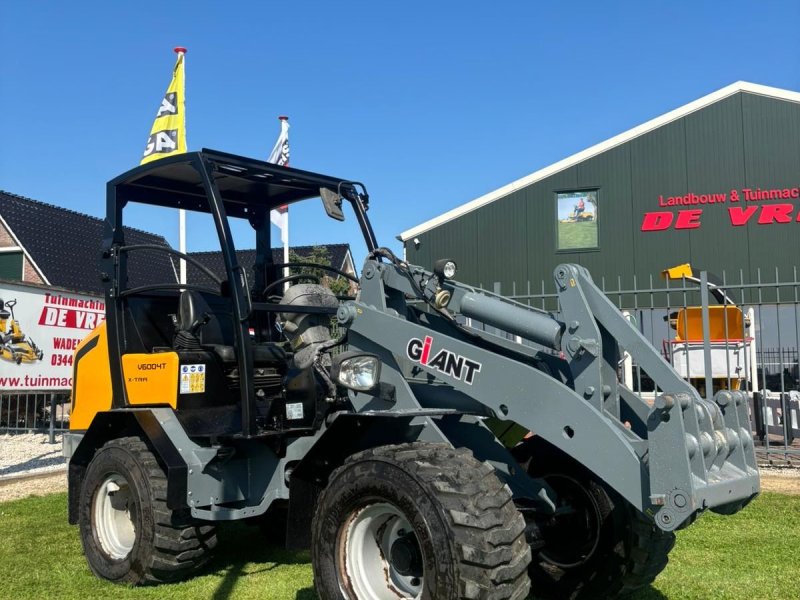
(444, 361)
(162, 142)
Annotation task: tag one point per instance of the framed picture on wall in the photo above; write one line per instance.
(576, 220)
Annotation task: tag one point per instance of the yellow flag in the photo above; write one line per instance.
(168, 134)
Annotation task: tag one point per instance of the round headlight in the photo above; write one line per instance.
(444, 268)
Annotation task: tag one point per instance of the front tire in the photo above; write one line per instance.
(421, 521)
(127, 532)
(599, 546)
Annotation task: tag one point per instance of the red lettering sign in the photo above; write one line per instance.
(775, 213)
(688, 219)
(656, 221)
(739, 216)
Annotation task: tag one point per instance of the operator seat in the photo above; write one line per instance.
(200, 326)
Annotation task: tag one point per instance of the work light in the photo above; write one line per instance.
(356, 371)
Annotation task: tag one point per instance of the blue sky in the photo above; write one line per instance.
(431, 104)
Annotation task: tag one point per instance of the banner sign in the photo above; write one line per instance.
(39, 331)
(744, 206)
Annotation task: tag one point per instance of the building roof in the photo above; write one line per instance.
(64, 246)
(339, 254)
(678, 113)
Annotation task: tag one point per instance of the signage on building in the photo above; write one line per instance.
(743, 206)
(39, 331)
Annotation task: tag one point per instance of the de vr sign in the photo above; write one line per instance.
(743, 206)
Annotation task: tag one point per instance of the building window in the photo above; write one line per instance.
(576, 214)
(11, 265)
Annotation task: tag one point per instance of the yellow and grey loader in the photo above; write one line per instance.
(226, 397)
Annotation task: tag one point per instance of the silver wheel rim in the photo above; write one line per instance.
(112, 517)
(365, 550)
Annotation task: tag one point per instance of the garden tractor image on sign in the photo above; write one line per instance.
(577, 217)
(15, 346)
(380, 444)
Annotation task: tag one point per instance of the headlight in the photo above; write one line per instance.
(445, 268)
(359, 372)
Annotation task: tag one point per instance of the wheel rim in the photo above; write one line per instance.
(113, 524)
(379, 555)
(572, 537)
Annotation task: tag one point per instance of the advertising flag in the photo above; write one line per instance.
(280, 156)
(168, 134)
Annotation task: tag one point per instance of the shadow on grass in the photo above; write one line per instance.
(244, 550)
(648, 593)
(242, 544)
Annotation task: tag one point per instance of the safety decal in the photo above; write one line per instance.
(193, 379)
(444, 361)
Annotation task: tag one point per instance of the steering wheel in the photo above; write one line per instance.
(287, 279)
(173, 286)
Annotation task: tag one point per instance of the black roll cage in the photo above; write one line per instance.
(223, 185)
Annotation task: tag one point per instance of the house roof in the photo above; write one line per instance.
(678, 113)
(339, 256)
(64, 246)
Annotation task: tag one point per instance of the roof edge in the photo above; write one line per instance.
(626, 136)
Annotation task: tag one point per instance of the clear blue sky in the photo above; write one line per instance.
(431, 104)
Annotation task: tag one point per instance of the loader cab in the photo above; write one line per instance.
(212, 347)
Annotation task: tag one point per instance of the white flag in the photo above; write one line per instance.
(280, 216)
(280, 152)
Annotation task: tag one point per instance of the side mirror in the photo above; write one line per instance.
(332, 202)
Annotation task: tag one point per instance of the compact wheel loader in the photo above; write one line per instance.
(415, 456)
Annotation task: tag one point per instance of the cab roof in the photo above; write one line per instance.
(244, 184)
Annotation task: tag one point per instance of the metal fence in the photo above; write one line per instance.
(737, 332)
(34, 411)
(747, 339)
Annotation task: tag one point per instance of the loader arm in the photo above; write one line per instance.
(673, 460)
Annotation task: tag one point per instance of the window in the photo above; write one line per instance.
(576, 215)
(11, 265)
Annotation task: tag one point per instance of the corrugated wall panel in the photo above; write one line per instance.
(772, 160)
(541, 227)
(502, 240)
(455, 240)
(714, 160)
(658, 168)
(610, 173)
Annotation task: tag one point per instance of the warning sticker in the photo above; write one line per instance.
(193, 379)
(294, 411)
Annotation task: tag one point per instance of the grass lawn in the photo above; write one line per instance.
(754, 554)
(577, 235)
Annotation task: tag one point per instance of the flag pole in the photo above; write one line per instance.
(285, 236)
(181, 51)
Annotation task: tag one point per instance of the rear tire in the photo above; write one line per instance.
(128, 533)
(604, 548)
(422, 521)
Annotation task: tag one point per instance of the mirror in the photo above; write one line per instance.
(332, 202)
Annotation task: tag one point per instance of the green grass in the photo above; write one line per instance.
(577, 235)
(754, 554)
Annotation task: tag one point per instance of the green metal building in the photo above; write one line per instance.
(715, 183)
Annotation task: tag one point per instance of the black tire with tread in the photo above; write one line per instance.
(169, 544)
(470, 533)
(632, 550)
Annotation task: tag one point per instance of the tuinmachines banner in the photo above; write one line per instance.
(39, 331)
